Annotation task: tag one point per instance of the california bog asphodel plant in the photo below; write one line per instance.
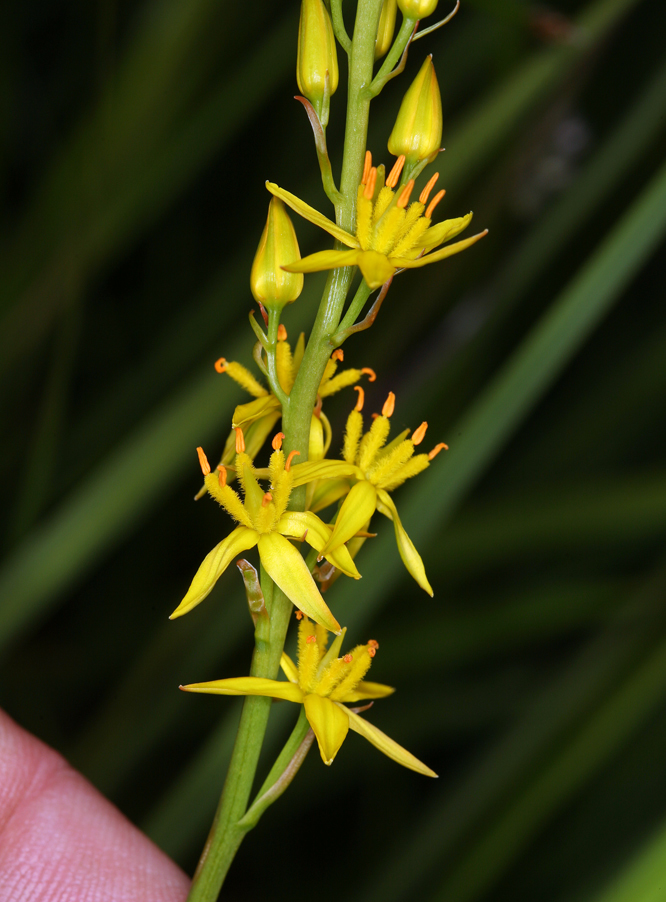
(301, 511)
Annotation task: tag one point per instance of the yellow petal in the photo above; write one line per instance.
(248, 686)
(323, 469)
(442, 254)
(289, 669)
(329, 723)
(328, 492)
(387, 745)
(376, 267)
(245, 414)
(356, 510)
(410, 556)
(288, 570)
(366, 689)
(213, 566)
(312, 215)
(323, 260)
(297, 523)
(443, 231)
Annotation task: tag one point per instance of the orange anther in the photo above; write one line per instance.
(419, 434)
(389, 405)
(372, 651)
(277, 441)
(435, 451)
(240, 440)
(221, 365)
(372, 643)
(367, 166)
(405, 194)
(425, 194)
(266, 499)
(433, 203)
(394, 174)
(371, 374)
(203, 462)
(311, 639)
(292, 455)
(361, 398)
(348, 659)
(282, 333)
(374, 416)
(370, 184)
(222, 478)
(299, 615)
(338, 354)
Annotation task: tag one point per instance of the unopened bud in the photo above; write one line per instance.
(417, 132)
(386, 28)
(417, 9)
(317, 61)
(271, 285)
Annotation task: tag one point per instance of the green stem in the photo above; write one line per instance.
(395, 53)
(363, 293)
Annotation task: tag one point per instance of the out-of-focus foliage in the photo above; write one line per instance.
(137, 138)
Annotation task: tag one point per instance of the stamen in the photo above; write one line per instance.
(222, 477)
(221, 365)
(240, 440)
(405, 194)
(374, 416)
(433, 203)
(419, 434)
(367, 166)
(370, 186)
(299, 615)
(348, 659)
(425, 194)
(277, 441)
(203, 462)
(389, 405)
(338, 354)
(372, 643)
(318, 406)
(371, 374)
(311, 639)
(394, 174)
(266, 499)
(361, 398)
(292, 455)
(282, 333)
(435, 451)
(372, 651)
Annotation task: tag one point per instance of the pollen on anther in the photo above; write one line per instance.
(348, 659)
(370, 184)
(266, 499)
(292, 455)
(299, 615)
(203, 462)
(372, 651)
(367, 166)
(372, 643)
(425, 194)
(338, 354)
(435, 451)
(394, 174)
(282, 333)
(240, 440)
(361, 398)
(311, 639)
(370, 373)
(419, 434)
(433, 203)
(221, 365)
(405, 194)
(389, 405)
(277, 441)
(222, 477)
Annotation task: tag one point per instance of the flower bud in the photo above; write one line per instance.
(386, 28)
(417, 132)
(417, 9)
(271, 285)
(317, 56)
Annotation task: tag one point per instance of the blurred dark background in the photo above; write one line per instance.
(136, 140)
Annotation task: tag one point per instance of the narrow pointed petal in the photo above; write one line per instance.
(312, 215)
(289, 669)
(323, 260)
(356, 510)
(443, 231)
(410, 556)
(297, 523)
(442, 254)
(329, 723)
(248, 686)
(323, 469)
(328, 492)
(245, 414)
(366, 689)
(288, 570)
(376, 268)
(213, 566)
(387, 745)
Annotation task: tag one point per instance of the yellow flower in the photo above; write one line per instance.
(322, 682)
(270, 285)
(417, 133)
(375, 469)
(389, 236)
(263, 520)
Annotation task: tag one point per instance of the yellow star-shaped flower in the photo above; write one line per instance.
(389, 234)
(323, 683)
